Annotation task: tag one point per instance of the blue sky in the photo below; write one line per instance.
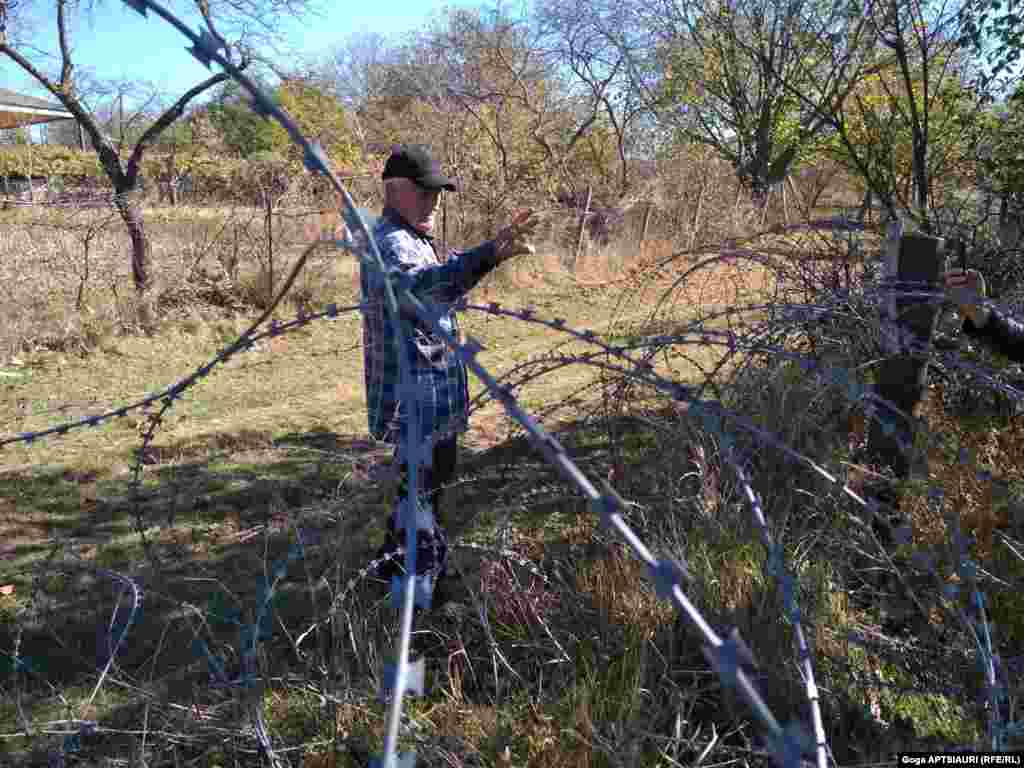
(121, 44)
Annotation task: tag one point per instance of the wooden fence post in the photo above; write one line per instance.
(915, 259)
(647, 223)
(583, 228)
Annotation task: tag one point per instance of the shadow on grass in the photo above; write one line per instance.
(228, 514)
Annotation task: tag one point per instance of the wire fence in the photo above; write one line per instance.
(789, 744)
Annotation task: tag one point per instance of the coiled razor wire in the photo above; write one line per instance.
(976, 621)
(704, 338)
(730, 657)
(725, 339)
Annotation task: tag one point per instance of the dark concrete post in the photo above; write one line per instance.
(920, 262)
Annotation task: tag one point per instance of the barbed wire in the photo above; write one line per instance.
(733, 342)
(729, 656)
(702, 337)
(111, 643)
(668, 575)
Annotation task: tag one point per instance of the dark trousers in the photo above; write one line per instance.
(434, 478)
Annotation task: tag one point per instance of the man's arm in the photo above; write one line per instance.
(447, 283)
(1004, 334)
(441, 283)
(967, 288)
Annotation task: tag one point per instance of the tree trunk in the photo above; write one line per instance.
(759, 191)
(131, 215)
(647, 222)
(268, 225)
(798, 198)
(921, 186)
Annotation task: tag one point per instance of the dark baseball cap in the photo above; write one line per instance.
(410, 161)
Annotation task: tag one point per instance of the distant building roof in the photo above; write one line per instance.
(17, 110)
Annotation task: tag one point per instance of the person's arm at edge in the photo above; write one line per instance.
(1004, 334)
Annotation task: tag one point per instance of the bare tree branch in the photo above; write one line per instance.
(166, 119)
(65, 49)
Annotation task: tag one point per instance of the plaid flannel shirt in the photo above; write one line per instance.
(441, 383)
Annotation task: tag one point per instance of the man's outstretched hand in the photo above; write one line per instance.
(966, 288)
(514, 239)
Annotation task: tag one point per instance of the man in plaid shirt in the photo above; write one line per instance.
(412, 189)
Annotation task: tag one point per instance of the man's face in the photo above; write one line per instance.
(421, 207)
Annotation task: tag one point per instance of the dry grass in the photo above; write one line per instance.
(564, 674)
(235, 421)
(999, 446)
(981, 511)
